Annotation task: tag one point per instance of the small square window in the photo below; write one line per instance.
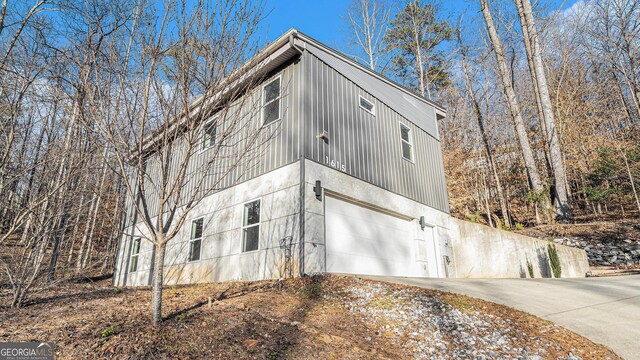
(406, 142)
(251, 238)
(251, 226)
(195, 240)
(271, 101)
(135, 253)
(367, 106)
(209, 134)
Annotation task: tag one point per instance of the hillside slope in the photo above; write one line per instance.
(318, 317)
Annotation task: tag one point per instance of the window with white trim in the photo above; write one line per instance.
(195, 240)
(367, 105)
(251, 226)
(271, 101)
(135, 253)
(407, 142)
(209, 134)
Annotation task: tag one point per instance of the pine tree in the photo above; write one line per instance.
(416, 34)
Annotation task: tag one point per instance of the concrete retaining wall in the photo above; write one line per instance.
(480, 251)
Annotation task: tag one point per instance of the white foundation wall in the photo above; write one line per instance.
(221, 257)
(461, 249)
(338, 182)
(480, 251)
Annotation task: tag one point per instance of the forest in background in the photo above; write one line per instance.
(589, 54)
(81, 83)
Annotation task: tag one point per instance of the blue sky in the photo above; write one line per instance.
(321, 19)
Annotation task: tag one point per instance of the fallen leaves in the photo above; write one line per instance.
(293, 318)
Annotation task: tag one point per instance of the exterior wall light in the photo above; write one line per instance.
(318, 190)
(324, 136)
(423, 223)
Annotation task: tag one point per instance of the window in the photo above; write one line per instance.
(271, 101)
(367, 106)
(405, 137)
(135, 253)
(251, 226)
(209, 134)
(195, 241)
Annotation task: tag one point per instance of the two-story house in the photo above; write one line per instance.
(352, 183)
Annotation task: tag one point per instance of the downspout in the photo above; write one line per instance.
(301, 159)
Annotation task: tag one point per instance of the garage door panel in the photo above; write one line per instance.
(357, 247)
(367, 241)
(364, 241)
(362, 265)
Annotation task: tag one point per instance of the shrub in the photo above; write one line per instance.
(181, 318)
(554, 259)
(474, 218)
(519, 226)
(110, 330)
(313, 291)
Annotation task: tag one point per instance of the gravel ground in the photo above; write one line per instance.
(431, 328)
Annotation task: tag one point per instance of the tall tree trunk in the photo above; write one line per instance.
(553, 141)
(158, 278)
(94, 217)
(629, 109)
(419, 67)
(485, 197)
(487, 147)
(516, 114)
(76, 225)
(85, 234)
(633, 184)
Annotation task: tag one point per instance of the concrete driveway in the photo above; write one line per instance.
(605, 310)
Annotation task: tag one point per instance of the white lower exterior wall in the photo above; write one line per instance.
(355, 227)
(362, 237)
(221, 257)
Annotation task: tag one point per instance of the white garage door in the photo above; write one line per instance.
(364, 241)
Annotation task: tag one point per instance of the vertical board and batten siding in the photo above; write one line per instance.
(369, 145)
(316, 97)
(278, 144)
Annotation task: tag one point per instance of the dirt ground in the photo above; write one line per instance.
(296, 318)
(603, 230)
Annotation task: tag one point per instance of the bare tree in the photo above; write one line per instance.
(491, 162)
(534, 52)
(47, 152)
(514, 107)
(368, 21)
(171, 150)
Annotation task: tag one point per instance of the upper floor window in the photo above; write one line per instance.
(271, 101)
(407, 142)
(209, 134)
(135, 254)
(251, 226)
(367, 106)
(195, 240)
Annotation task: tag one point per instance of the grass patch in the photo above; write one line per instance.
(385, 304)
(459, 302)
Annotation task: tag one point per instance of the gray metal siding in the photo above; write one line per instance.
(409, 106)
(369, 145)
(316, 97)
(278, 144)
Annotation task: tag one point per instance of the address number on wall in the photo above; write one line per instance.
(335, 164)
